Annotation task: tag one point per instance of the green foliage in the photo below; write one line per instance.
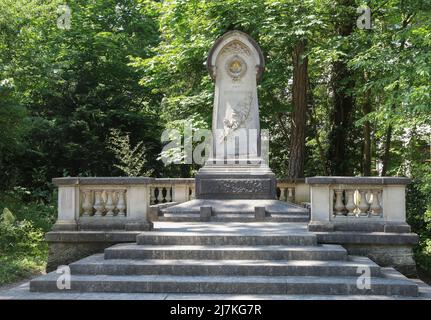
(21, 236)
(419, 214)
(24, 206)
(14, 267)
(22, 249)
(132, 159)
(65, 88)
(7, 217)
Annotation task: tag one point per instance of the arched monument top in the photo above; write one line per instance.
(231, 37)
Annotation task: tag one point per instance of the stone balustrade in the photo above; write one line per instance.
(117, 203)
(89, 203)
(296, 191)
(358, 203)
(165, 190)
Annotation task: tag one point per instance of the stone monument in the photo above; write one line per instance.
(236, 168)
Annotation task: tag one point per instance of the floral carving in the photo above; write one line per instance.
(239, 116)
(237, 185)
(236, 47)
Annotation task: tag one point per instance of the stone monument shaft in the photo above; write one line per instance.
(235, 169)
(235, 63)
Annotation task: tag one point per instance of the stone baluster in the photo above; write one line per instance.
(375, 207)
(290, 194)
(282, 194)
(339, 206)
(169, 194)
(152, 195)
(87, 206)
(109, 205)
(192, 193)
(350, 203)
(121, 204)
(363, 203)
(163, 192)
(98, 203)
(157, 195)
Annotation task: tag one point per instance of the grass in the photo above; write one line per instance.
(18, 266)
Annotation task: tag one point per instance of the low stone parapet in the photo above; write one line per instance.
(358, 204)
(115, 203)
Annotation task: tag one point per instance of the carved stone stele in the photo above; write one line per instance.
(235, 168)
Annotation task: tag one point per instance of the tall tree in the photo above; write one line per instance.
(366, 109)
(342, 85)
(299, 114)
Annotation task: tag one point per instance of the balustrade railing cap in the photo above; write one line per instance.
(358, 180)
(101, 180)
(174, 180)
(69, 181)
(291, 180)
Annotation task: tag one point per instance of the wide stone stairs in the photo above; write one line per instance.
(234, 211)
(229, 258)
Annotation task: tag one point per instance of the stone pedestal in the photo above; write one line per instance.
(235, 182)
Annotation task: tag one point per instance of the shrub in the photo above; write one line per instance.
(22, 248)
(419, 217)
(19, 236)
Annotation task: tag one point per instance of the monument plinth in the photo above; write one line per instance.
(236, 168)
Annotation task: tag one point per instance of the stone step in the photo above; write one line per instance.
(97, 265)
(221, 239)
(273, 252)
(227, 285)
(232, 217)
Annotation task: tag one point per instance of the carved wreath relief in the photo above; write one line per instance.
(239, 115)
(236, 67)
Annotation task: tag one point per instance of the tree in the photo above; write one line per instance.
(342, 84)
(299, 114)
(77, 83)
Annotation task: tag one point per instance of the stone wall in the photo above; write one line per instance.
(68, 246)
(386, 249)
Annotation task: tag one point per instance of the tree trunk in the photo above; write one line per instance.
(386, 154)
(299, 115)
(342, 82)
(313, 124)
(366, 164)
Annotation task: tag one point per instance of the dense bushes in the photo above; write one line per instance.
(22, 226)
(419, 217)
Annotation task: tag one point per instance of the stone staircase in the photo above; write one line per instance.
(234, 217)
(234, 211)
(228, 258)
